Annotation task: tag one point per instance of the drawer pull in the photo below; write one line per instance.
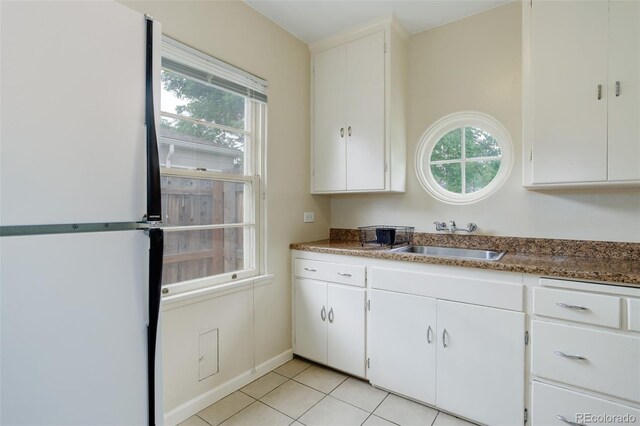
(444, 337)
(576, 357)
(344, 274)
(310, 270)
(323, 313)
(429, 334)
(573, 307)
(331, 315)
(569, 422)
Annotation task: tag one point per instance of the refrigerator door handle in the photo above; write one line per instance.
(154, 213)
(156, 236)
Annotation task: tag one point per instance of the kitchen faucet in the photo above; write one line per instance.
(452, 228)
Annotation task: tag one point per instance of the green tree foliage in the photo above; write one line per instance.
(478, 173)
(207, 103)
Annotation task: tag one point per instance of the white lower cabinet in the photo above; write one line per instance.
(592, 359)
(403, 344)
(463, 358)
(593, 371)
(481, 363)
(310, 319)
(557, 406)
(330, 324)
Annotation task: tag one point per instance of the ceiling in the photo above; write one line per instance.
(312, 20)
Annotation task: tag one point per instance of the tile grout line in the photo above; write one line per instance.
(321, 399)
(202, 419)
(378, 406)
(258, 399)
(355, 406)
(436, 418)
(302, 384)
(244, 408)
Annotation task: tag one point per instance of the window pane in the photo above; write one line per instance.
(479, 143)
(449, 176)
(449, 147)
(196, 254)
(190, 201)
(184, 96)
(189, 145)
(478, 174)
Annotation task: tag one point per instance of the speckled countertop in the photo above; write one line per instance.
(586, 260)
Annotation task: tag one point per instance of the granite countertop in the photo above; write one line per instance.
(586, 260)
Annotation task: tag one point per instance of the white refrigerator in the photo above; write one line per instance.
(80, 245)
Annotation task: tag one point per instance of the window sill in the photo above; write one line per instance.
(177, 299)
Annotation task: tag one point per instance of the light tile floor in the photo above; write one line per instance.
(302, 393)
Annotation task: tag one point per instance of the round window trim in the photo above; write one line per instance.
(451, 122)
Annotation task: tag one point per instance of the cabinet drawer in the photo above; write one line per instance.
(576, 306)
(597, 360)
(551, 402)
(633, 309)
(332, 272)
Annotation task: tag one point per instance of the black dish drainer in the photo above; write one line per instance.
(386, 235)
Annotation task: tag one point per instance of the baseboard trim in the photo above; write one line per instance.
(201, 402)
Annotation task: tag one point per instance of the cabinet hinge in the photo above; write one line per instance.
(385, 167)
(530, 3)
(368, 362)
(526, 415)
(385, 47)
(531, 155)
(367, 305)
(526, 337)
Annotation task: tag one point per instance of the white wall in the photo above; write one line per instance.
(476, 64)
(235, 33)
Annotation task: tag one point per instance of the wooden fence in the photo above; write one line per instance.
(200, 253)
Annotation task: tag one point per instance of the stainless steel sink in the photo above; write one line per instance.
(458, 253)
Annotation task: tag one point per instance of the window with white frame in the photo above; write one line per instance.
(464, 157)
(211, 139)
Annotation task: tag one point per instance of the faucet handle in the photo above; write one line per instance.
(471, 227)
(440, 226)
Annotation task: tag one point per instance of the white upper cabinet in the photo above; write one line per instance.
(581, 94)
(624, 91)
(358, 136)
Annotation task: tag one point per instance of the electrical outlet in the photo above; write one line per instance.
(309, 217)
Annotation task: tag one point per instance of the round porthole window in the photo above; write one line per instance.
(464, 157)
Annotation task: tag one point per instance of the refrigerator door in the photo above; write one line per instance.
(74, 336)
(72, 142)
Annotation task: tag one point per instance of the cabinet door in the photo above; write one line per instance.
(365, 113)
(329, 90)
(310, 321)
(569, 62)
(624, 90)
(403, 344)
(480, 363)
(346, 329)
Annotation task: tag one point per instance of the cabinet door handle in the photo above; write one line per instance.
(599, 91)
(429, 334)
(617, 88)
(331, 315)
(323, 313)
(342, 132)
(349, 131)
(344, 274)
(310, 269)
(572, 307)
(569, 422)
(444, 338)
(564, 355)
